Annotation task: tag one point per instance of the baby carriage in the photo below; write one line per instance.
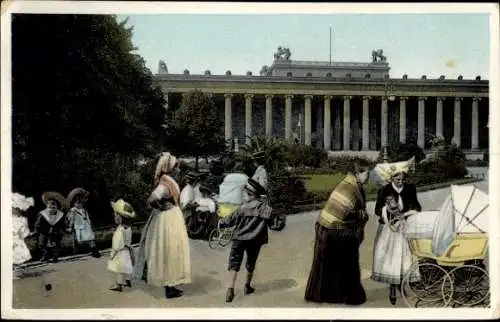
(450, 246)
(222, 236)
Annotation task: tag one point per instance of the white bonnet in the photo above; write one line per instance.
(166, 163)
(21, 202)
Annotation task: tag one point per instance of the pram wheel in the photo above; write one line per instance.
(471, 283)
(214, 238)
(225, 237)
(433, 289)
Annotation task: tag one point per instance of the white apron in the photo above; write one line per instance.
(392, 256)
(167, 249)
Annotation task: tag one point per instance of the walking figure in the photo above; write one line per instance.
(250, 222)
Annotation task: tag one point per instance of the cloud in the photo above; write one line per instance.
(452, 63)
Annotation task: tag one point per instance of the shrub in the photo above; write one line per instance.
(285, 190)
(304, 156)
(448, 161)
(402, 151)
(346, 163)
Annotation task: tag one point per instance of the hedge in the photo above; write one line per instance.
(316, 200)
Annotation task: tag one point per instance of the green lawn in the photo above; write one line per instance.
(326, 182)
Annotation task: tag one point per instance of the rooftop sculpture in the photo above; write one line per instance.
(378, 56)
(162, 67)
(282, 54)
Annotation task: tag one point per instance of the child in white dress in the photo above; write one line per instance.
(20, 230)
(121, 261)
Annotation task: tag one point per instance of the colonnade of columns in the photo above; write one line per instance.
(347, 119)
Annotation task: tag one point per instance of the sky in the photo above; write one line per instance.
(414, 44)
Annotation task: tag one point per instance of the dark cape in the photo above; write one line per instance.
(335, 275)
(408, 196)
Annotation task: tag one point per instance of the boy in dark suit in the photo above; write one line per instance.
(250, 221)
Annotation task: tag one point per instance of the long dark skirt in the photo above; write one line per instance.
(335, 274)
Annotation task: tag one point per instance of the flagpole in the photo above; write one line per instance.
(330, 45)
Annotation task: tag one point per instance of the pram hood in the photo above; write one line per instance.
(465, 210)
(231, 189)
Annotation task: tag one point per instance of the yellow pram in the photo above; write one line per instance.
(451, 263)
(222, 236)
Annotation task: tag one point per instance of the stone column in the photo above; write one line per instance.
(228, 118)
(421, 122)
(383, 122)
(288, 116)
(366, 123)
(439, 117)
(269, 115)
(402, 119)
(347, 123)
(457, 121)
(307, 119)
(327, 126)
(475, 123)
(248, 117)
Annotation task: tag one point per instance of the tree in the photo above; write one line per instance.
(84, 105)
(199, 126)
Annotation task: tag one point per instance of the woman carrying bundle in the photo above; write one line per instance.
(335, 274)
(391, 254)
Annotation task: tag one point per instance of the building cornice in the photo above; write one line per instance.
(319, 80)
(275, 85)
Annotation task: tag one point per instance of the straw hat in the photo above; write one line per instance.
(21, 202)
(77, 192)
(205, 188)
(191, 175)
(166, 164)
(123, 208)
(57, 197)
(255, 187)
(259, 155)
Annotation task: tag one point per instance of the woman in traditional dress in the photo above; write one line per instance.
(79, 222)
(50, 225)
(20, 230)
(335, 275)
(164, 257)
(391, 254)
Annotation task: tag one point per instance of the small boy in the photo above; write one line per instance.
(50, 226)
(250, 222)
(121, 260)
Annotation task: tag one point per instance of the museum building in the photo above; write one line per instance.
(341, 106)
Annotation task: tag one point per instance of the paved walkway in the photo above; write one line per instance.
(280, 277)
